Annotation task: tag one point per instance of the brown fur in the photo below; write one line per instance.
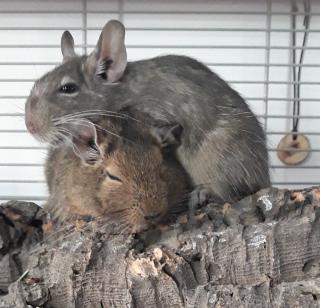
(153, 183)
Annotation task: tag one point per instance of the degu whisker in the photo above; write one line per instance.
(93, 112)
(69, 231)
(108, 131)
(87, 123)
(62, 120)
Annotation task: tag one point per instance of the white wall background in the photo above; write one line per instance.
(29, 46)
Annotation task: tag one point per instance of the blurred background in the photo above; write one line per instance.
(254, 45)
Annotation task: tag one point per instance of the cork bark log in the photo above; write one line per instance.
(263, 251)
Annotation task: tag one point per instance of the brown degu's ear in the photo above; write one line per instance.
(85, 142)
(109, 59)
(168, 136)
(67, 45)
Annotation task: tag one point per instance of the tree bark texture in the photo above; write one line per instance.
(263, 251)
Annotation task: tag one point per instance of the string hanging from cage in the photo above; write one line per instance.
(296, 76)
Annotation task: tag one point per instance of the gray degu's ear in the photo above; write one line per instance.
(67, 45)
(85, 142)
(109, 59)
(168, 136)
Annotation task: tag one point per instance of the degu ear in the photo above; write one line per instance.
(67, 45)
(85, 142)
(109, 59)
(168, 136)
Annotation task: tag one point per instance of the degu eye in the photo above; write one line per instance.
(68, 88)
(112, 177)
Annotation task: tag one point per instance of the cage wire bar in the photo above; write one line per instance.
(267, 62)
(121, 13)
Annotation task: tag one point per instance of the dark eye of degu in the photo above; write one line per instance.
(113, 177)
(68, 88)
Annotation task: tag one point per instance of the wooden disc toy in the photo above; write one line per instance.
(293, 151)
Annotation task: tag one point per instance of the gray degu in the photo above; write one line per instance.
(222, 145)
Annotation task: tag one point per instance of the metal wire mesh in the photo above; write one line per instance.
(248, 44)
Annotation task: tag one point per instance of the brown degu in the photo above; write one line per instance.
(223, 147)
(120, 171)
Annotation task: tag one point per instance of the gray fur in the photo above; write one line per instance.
(223, 145)
(67, 45)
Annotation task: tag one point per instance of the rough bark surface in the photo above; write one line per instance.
(263, 251)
